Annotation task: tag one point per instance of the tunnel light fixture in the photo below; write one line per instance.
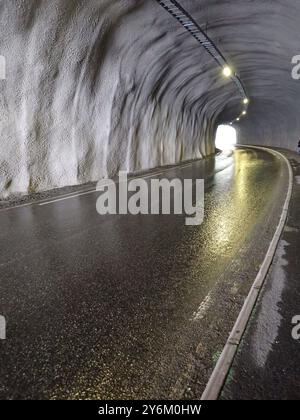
(244, 113)
(238, 119)
(246, 101)
(186, 20)
(227, 71)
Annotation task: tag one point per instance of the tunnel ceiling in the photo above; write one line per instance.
(96, 86)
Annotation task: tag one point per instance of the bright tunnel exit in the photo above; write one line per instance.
(226, 137)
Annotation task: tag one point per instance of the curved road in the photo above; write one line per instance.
(132, 306)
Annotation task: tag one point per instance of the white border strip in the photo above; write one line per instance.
(220, 372)
(145, 176)
(80, 192)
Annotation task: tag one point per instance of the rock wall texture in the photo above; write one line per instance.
(95, 86)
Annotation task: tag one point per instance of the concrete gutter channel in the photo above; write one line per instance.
(220, 373)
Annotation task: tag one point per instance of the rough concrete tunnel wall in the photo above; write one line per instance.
(96, 86)
(276, 125)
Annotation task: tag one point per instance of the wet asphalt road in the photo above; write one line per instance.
(267, 366)
(132, 306)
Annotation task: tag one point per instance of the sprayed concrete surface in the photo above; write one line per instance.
(95, 86)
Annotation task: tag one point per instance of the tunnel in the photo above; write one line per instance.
(110, 85)
(145, 307)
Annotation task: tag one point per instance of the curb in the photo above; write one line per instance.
(221, 370)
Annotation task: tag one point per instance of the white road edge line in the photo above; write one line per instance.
(95, 190)
(221, 370)
(66, 196)
(73, 195)
(131, 178)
